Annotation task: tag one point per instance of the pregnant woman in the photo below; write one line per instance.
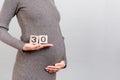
(35, 17)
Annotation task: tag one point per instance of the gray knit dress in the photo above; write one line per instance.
(35, 17)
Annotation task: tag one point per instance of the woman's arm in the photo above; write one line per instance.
(7, 13)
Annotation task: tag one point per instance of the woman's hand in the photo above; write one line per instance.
(56, 68)
(30, 47)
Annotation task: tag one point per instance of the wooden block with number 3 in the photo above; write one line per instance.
(34, 39)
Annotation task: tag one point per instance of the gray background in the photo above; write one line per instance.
(92, 36)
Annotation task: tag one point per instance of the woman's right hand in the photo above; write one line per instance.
(31, 47)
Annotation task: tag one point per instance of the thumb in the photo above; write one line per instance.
(58, 64)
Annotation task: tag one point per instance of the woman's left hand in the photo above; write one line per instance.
(56, 68)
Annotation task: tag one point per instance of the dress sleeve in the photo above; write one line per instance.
(7, 12)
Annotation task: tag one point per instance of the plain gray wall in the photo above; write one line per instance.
(92, 36)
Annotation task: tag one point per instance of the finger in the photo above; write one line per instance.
(43, 46)
(49, 71)
(51, 67)
(57, 64)
(48, 45)
(38, 46)
(54, 69)
(61, 64)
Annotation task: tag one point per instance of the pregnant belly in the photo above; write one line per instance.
(47, 56)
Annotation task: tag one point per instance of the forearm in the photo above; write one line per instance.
(10, 40)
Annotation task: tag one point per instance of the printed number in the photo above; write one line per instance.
(43, 39)
(34, 39)
(38, 39)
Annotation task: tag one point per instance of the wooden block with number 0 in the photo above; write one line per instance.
(34, 39)
(43, 39)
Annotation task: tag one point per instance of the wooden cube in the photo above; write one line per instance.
(34, 39)
(43, 39)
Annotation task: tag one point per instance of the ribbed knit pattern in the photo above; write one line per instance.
(35, 17)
